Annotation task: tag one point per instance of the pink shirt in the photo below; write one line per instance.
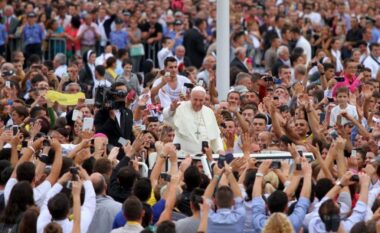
(352, 85)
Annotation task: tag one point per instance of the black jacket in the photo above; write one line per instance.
(104, 124)
(195, 47)
(107, 25)
(86, 76)
(276, 66)
(237, 63)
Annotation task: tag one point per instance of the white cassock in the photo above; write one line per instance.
(191, 128)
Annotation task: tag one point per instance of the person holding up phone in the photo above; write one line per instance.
(169, 86)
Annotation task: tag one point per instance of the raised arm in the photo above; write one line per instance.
(261, 172)
(28, 154)
(76, 188)
(231, 180)
(214, 182)
(57, 163)
(170, 200)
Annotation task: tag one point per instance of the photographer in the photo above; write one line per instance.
(116, 122)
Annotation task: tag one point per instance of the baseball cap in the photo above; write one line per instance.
(119, 21)
(178, 22)
(31, 15)
(126, 13)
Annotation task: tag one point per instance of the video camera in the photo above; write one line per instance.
(105, 97)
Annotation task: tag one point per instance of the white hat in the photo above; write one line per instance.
(198, 88)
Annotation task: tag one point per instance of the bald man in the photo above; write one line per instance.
(106, 207)
(194, 123)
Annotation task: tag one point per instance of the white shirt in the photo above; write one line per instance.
(203, 75)
(60, 71)
(358, 214)
(39, 192)
(350, 109)
(64, 22)
(162, 55)
(99, 83)
(303, 43)
(87, 209)
(370, 63)
(166, 94)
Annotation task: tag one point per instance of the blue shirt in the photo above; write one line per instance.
(119, 39)
(259, 217)
(3, 34)
(33, 34)
(227, 220)
(177, 41)
(119, 220)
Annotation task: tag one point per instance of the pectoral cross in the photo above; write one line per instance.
(197, 133)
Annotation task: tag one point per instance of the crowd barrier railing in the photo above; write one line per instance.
(55, 45)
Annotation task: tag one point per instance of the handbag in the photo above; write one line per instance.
(137, 50)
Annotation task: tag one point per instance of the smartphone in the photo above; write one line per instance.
(88, 123)
(189, 85)
(89, 101)
(7, 84)
(177, 146)
(204, 145)
(221, 160)
(122, 141)
(76, 114)
(167, 74)
(334, 134)
(74, 172)
(275, 165)
(275, 97)
(46, 143)
(298, 167)
(131, 95)
(339, 79)
(353, 153)
(300, 152)
(355, 178)
(15, 130)
(339, 120)
(331, 100)
(165, 176)
(24, 144)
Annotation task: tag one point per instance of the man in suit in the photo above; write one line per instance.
(282, 59)
(11, 23)
(9, 20)
(193, 40)
(238, 61)
(116, 122)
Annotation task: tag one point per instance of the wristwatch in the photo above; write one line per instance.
(339, 183)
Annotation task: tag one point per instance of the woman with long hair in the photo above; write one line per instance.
(20, 199)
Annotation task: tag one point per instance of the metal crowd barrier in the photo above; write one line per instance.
(14, 44)
(151, 51)
(55, 45)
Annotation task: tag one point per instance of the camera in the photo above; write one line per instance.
(105, 97)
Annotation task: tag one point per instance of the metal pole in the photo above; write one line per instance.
(223, 48)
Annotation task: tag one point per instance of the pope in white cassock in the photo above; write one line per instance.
(194, 123)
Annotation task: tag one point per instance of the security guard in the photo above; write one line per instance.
(32, 35)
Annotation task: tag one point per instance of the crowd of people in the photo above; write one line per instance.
(110, 119)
